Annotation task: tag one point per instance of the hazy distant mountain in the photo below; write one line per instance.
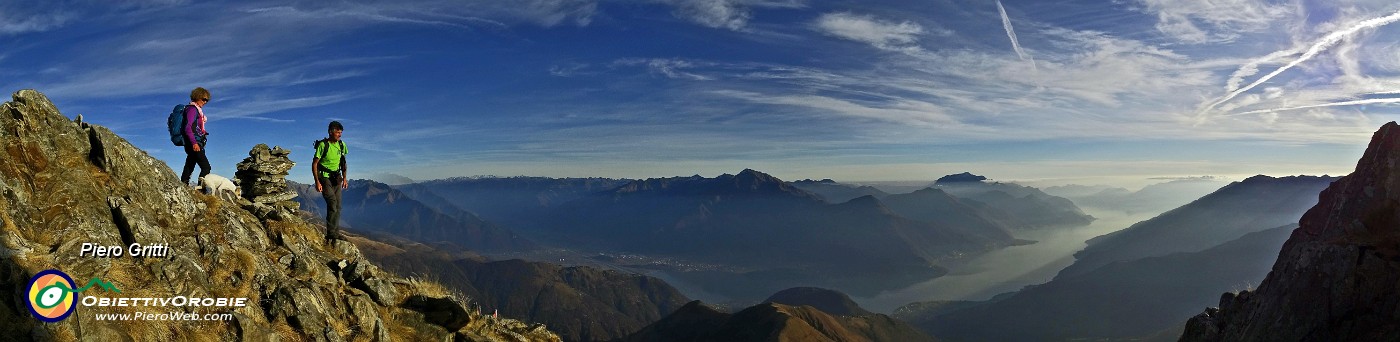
(774, 322)
(834, 192)
(1255, 204)
(1024, 207)
(1119, 301)
(373, 206)
(1153, 198)
(578, 303)
(965, 177)
(935, 206)
(511, 201)
(1074, 191)
(753, 220)
(828, 301)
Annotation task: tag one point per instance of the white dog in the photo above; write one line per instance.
(218, 186)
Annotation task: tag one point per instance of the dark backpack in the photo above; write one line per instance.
(176, 124)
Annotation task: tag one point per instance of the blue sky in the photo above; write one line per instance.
(849, 90)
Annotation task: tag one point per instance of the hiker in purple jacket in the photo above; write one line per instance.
(195, 135)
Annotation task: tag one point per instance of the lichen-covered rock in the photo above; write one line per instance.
(65, 185)
(1336, 278)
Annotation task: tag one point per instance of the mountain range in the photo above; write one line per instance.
(373, 206)
(1254, 204)
(1153, 198)
(742, 236)
(752, 221)
(508, 201)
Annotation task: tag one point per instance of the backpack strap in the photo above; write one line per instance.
(320, 154)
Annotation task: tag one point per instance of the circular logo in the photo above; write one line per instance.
(51, 296)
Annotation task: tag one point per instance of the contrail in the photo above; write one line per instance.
(1011, 33)
(1332, 104)
(1251, 68)
(1326, 42)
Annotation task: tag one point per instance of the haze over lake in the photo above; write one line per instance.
(1008, 269)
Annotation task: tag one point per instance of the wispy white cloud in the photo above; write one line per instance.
(363, 13)
(671, 68)
(729, 14)
(1202, 21)
(567, 69)
(886, 35)
(903, 111)
(252, 109)
(12, 23)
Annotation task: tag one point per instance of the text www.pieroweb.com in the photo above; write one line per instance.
(171, 316)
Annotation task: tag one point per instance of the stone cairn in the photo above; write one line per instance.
(263, 178)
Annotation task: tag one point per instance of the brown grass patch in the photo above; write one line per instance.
(241, 265)
(428, 286)
(286, 333)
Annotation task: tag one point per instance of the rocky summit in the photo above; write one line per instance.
(1337, 275)
(77, 198)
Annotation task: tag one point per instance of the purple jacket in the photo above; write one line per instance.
(194, 125)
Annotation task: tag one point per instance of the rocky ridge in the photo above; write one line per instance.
(1337, 275)
(65, 183)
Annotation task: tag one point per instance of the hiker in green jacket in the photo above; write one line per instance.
(328, 167)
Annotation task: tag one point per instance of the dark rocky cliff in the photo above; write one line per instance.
(65, 183)
(1337, 276)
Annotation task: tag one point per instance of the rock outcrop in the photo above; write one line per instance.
(65, 184)
(1337, 276)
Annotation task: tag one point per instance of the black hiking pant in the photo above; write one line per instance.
(330, 190)
(193, 157)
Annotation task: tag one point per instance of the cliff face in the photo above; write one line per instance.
(66, 186)
(1337, 276)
